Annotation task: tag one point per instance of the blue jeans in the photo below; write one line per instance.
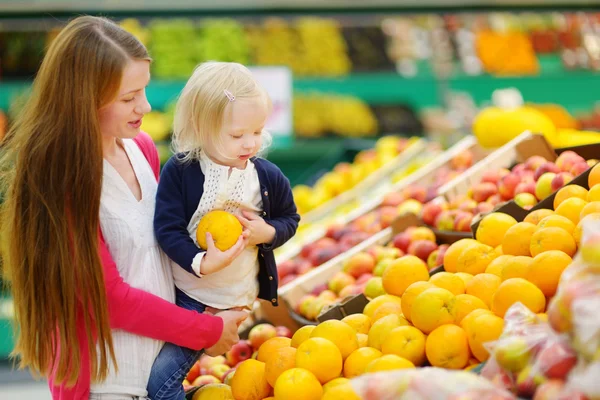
(173, 362)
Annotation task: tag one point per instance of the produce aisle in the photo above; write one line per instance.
(444, 161)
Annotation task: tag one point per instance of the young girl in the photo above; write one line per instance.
(218, 130)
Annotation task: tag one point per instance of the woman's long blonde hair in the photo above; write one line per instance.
(51, 162)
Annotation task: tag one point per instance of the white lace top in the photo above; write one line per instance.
(127, 227)
(235, 285)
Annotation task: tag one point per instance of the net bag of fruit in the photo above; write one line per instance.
(427, 384)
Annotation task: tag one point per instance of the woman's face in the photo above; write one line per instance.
(122, 118)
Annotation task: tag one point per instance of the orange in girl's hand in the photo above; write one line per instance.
(224, 227)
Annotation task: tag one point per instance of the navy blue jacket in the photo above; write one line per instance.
(179, 191)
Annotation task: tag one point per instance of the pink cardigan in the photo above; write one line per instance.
(140, 312)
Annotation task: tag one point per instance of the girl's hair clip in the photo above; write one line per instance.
(229, 95)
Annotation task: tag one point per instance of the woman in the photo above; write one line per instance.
(78, 247)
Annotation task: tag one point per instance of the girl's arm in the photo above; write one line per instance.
(285, 221)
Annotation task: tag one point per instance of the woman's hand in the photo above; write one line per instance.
(229, 336)
(215, 260)
(259, 231)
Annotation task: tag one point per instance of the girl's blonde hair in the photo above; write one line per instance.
(51, 176)
(201, 106)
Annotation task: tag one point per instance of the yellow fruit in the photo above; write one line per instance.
(407, 342)
(571, 208)
(338, 332)
(401, 273)
(387, 309)
(374, 304)
(389, 362)
(516, 267)
(447, 347)
(468, 321)
(321, 357)
(495, 267)
(278, 362)
(409, 296)
(454, 251)
(517, 238)
(448, 281)
(483, 328)
(335, 382)
(250, 381)
(432, 308)
(359, 322)
(594, 194)
(546, 239)
(465, 303)
(214, 391)
(271, 345)
(224, 227)
(514, 290)
(297, 384)
(475, 259)
(382, 328)
(483, 286)
(590, 208)
(363, 339)
(493, 227)
(594, 176)
(569, 191)
(301, 335)
(557, 221)
(357, 362)
(465, 277)
(340, 392)
(546, 270)
(579, 228)
(536, 216)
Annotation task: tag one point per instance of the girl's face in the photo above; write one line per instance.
(241, 132)
(122, 117)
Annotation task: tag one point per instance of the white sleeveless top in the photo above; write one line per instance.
(127, 227)
(237, 284)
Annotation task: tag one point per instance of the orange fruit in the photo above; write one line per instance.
(465, 303)
(389, 362)
(454, 251)
(335, 382)
(301, 335)
(374, 304)
(433, 308)
(483, 328)
(224, 227)
(499, 249)
(402, 272)
(383, 327)
(407, 342)
(493, 227)
(594, 176)
(321, 357)
(517, 238)
(271, 345)
(536, 216)
(579, 228)
(516, 267)
(557, 221)
(483, 286)
(475, 259)
(357, 362)
(465, 277)
(495, 267)
(214, 391)
(280, 361)
(343, 391)
(447, 347)
(514, 290)
(250, 381)
(409, 296)
(359, 322)
(386, 309)
(594, 194)
(448, 281)
(468, 321)
(546, 269)
(338, 332)
(569, 191)
(297, 384)
(546, 239)
(590, 208)
(571, 208)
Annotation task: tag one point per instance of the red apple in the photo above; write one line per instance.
(525, 187)
(557, 359)
(359, 264)
(260, 334)
(364, 278)
(445, 221)
(393, 199)
(494, 200)
(507, 186)
(483, 191)
(319, 289)
(422, 249)
(283, 331)
(402, 241)
(579, 168)
(519, 169)
(205, 380)
(287, 279)
(239, 352)
(468, 205)
(286, 268)
(353, 238)
(567, 160)
(387, 216)
(534, 162)
(431, 210)
(462, 160)
(560, 180)
(303, 266)
(194, 372)
(545, 168)
(219, 371)
(340, 280)
(527, 383)
(493, 176)
(463, 220)
(335, 231)
(416, 192)
(484, 208)
(321, 256)
(206, 361)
